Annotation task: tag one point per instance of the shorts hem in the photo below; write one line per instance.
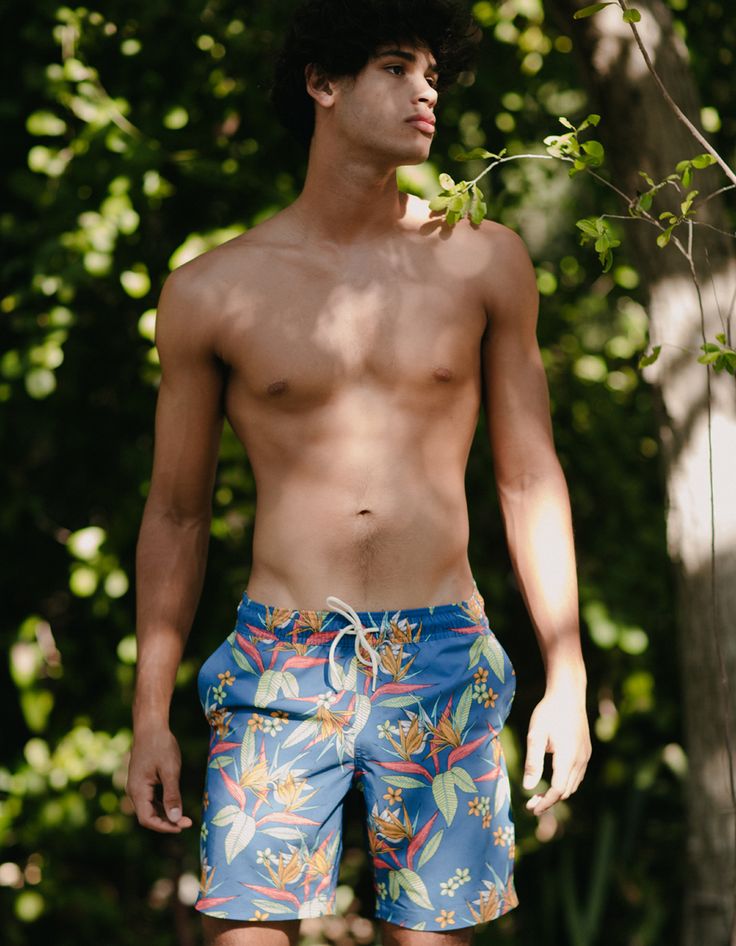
(264, 918)
(410, 920)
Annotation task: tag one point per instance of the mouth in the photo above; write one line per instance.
(422, 124)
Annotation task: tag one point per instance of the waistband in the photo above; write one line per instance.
(321, 626)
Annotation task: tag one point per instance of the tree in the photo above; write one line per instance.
(697, 420)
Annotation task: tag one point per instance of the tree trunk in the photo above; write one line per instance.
(640, 131)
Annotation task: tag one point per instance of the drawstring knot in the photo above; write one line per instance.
(353, 627)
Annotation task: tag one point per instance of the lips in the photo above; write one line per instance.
(424, 123)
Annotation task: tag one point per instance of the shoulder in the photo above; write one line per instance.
(200, 294)
(490, 254)
(507, 281)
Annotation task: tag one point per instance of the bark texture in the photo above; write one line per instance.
(640, 131)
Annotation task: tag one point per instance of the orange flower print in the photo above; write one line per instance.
(446, 917)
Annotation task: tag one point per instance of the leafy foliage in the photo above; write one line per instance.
(129, 155)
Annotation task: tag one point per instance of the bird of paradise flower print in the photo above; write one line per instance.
(298, 715)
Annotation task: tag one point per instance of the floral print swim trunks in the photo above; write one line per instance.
(408, 706)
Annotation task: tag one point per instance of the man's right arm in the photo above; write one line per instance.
(173, 541)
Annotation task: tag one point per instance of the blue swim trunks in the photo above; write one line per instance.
(408, 706)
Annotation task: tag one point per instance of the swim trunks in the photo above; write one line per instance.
(408, 706)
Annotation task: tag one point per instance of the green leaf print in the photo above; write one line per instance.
(443, 789)
(430, 847)
(283, 832)
(361, 713)
(475, 652)
(463, 708)
(269, 685)
(248, 750)
(226, 815)
(403, 781)
(303, 731)
(272, 906)
(414, 886)
(462, 779)
(220, 761)
(406, 699)
(494, 654)
(502, 793)
(242, 661)
(289, 684)
(393, 884)
(239, 836)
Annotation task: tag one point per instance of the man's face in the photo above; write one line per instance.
(388, 108)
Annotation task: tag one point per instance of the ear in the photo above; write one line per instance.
(318, 85)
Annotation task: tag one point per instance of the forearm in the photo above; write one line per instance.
(538, 525)
(170, 563)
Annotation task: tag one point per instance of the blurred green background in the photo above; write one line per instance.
(138, 136)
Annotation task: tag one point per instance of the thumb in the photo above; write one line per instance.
(534, 760)
(172, 795)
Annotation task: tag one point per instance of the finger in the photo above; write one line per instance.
(534, 764)
(147, 813)
(544, 802)
(171, 795)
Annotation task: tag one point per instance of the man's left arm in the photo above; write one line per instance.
(535, 508)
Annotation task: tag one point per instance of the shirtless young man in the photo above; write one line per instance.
(350, 340)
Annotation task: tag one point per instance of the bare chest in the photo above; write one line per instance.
(311, 335)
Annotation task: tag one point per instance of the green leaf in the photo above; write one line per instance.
(446, 182)
(589, 11)
(631, 16)
(649, 359)
(439, 202)
(703, 160)
(566, 122)
(594, 149)
(664, 238)
(478, 212)
(721, 337)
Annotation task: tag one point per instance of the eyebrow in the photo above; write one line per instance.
(409, 57)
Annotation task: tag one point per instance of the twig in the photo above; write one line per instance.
(681, 116)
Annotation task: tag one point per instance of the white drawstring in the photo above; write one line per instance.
(354, 627)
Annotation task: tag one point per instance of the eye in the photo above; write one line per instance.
(432, 81)
(396, 66)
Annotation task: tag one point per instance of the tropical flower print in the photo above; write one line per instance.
(289, 736)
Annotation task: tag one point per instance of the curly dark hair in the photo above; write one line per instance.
(340, 36)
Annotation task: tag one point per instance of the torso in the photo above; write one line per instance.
(354, 384)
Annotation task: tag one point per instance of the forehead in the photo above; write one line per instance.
(409, 52)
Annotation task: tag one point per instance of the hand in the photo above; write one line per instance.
(559, 724)
(155, 759)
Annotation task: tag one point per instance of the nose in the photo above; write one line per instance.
(426, 93)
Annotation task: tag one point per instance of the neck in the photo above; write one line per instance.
(348, 196)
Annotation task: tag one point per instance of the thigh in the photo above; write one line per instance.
(232, 933)
(393, 935)
(436, 784)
